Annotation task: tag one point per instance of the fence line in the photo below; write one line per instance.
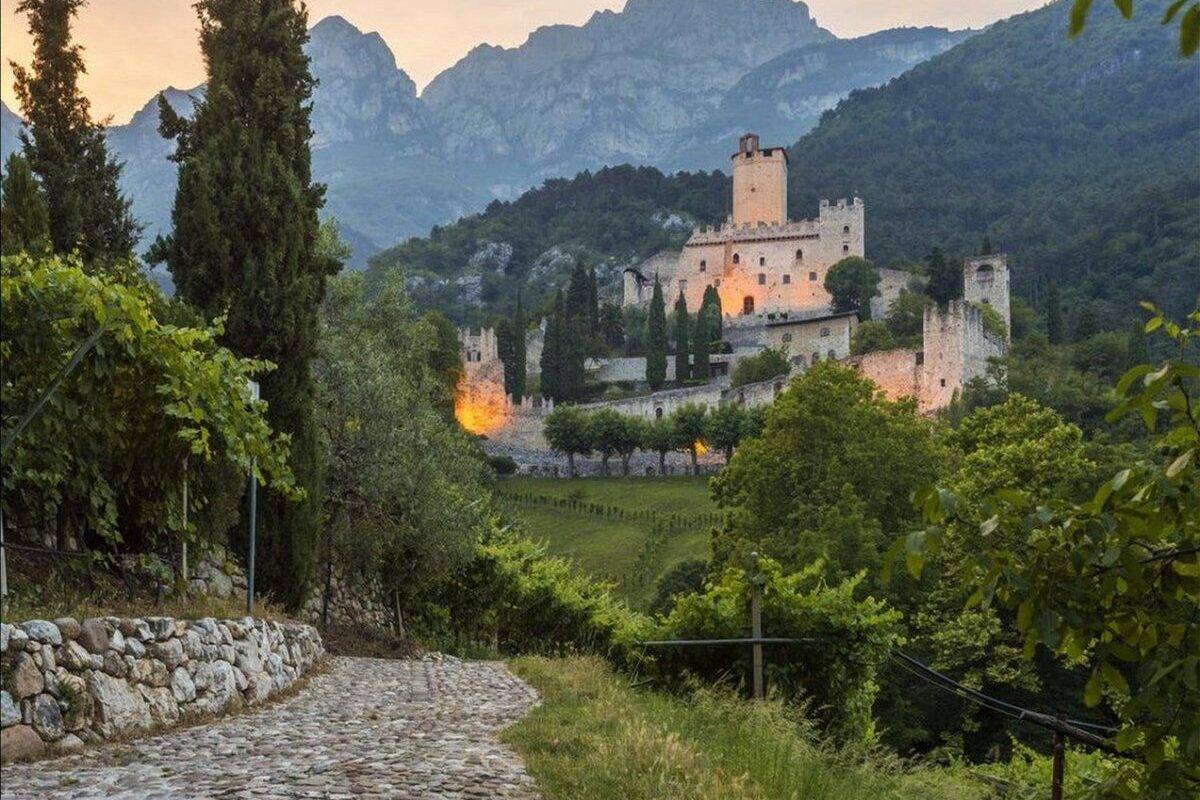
(674, 522)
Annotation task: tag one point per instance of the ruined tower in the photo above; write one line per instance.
(759, 183)
(985, 281)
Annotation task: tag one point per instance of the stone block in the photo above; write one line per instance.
(119, 707)
(72, 656)
(163, 709)
(39, 630)
(25, 678)
(93, 635)
(182, 686)
(169, 652)
(68, 627)
(47, 718)
(20, 742)
(10, 713)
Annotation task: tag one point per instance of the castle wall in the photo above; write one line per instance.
(638, 284)
(891, 283)
(985, 281)
(810, 340)
(957, 350)
(897, 372)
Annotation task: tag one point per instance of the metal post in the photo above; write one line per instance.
(254, 395)
(250, 554)
(756, 625)
(3, 563)
(1056, 781)
(183, 566)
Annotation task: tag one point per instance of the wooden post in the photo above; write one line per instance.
(756, 625)
(1056, 781)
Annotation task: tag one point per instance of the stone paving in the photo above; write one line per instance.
(366, 728)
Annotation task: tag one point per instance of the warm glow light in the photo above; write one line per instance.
(701, 448)
(480, 405)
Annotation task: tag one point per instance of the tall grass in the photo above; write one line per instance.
(595, 737)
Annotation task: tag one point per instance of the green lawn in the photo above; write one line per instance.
(593, 737)
(623, 551)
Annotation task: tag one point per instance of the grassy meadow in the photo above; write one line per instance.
(627, 530)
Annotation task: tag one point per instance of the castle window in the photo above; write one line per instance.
(943, 381)
(682, 286)
(703, 265)
(799, 255)
(845, 229)
(762, 279)
(845, 248)
(762, 261)
(787, 337)
(748, 305)
(658, 413)
(812, 276)
(985, 273)
(824, 331)
(737, 259)
(787, 278)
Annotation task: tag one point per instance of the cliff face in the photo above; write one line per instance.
(614, 90)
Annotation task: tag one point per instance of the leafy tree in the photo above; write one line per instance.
(725, 428)
(945, 277)
(606, 433)
(1112, 582)
(629, 439)
(568, 431)
(104, 460)
(612, 326)
(1189, 20)
(445, 358)
(906, 318)
(1023, 317)
(872, 336)
(401, 479)
(682, 351)
(659, 437)
(245, 236)
(1054, 317)
(830, 429)
(1087, 322)
(686, 577)
(770, 363)
(688, 422)
(656, 340)
(1105, 355)
(851, 284)
(65, 148)
(24, 220)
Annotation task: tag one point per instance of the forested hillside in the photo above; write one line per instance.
(1076, 156)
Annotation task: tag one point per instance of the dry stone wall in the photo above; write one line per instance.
(68, 683)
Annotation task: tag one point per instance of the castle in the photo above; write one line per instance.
(769, 272)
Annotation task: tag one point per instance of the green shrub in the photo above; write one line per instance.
(686, 577)
(836, 670)
(503, 465)
(768, 364)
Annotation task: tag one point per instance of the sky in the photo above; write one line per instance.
(134, 48)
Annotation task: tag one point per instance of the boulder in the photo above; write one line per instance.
(163, 709)
(39, 630)
(150, 672)
(73, 656)
(69, 744)
(93, 635)
(5, 633)
(134, 647)
(20, 742)
(10, 713)
(17, 639)
(115, 665)
(116, 641)
(75, 699)
(216, 687)
(182, 686)
(169, 652)
(24, 678)
(119, 708)
(48, 718)
(162, 628)
(68, 627)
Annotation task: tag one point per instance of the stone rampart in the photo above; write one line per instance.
(68, 683)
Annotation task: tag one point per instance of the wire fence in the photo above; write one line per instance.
(673, 522)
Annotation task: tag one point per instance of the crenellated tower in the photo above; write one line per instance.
(759, 183)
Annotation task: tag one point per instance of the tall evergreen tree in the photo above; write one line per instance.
(656, 340)
(551, 355)
(1054, 317)
(985, 247)
(593, 302)
(945, 277)
(506, 350)
(579, 294)
(519, 343)
(65, 148)
(245, 235)
(1087, 322)
(712, 299)
(682, 351)
(24, 220)
(702, 343)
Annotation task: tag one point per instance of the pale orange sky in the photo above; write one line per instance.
(136, 47)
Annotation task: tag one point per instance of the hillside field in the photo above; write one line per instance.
(607, 525)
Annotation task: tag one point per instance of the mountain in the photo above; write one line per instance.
(1080, 158)
(614, 90)
(10, 132)
(786, 96)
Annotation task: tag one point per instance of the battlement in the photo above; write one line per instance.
(841, 212)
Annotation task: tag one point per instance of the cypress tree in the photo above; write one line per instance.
(519, 344)
(593, 302)
(985, 247)
(579, 294)
(682, 370)
(551, 355)
(24, 220)
(245, 235)
(65, 148)
(716, 322)
(701, 339)
(1087, 323)
(656, 340)
(1054, 318)
(945, 278)
(506, 347)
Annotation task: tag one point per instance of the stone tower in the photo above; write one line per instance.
(759, 183)
(985, 281)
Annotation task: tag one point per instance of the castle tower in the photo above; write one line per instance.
(985, 281)
(759, 183)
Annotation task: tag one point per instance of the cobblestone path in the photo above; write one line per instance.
(366, 728)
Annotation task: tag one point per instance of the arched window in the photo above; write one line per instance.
(799, 255)
(658, 412)
(985, 273)
(816, 357)
(845, 229)
(832, 354)
(762, 261)
(703, 265)
(737, 259)
(748, 304)
(845, 248)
